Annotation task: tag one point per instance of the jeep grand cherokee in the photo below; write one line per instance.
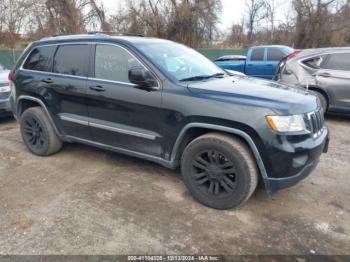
(164, 102)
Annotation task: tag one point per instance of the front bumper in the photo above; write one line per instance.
(311, 152)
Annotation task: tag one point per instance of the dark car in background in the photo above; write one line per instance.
(5, 92)
(261, 61)
(326, 71)
(164, 102)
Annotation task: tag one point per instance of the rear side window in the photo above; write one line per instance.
(40, 59)
(258, 54)
(274, 54)
(113, 63)
(72, 60)
(314, 62)
(339, 61)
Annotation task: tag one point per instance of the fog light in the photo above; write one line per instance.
(299, 161)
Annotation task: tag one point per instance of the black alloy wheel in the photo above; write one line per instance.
(219, 170)
(214, 173)
(38, 133)
(34, 134)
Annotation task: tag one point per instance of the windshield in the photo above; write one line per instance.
(179, 61)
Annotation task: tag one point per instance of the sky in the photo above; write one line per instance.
(232, 12)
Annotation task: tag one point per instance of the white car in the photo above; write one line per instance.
(5, 92)
(235, 73)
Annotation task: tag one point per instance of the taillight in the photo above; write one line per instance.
(295, 53)
(10, 76)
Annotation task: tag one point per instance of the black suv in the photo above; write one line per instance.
(164, 102)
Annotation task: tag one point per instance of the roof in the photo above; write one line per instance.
(283, 46)
(319, 51)
(98, 36)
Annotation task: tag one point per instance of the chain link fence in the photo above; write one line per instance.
(8, 58)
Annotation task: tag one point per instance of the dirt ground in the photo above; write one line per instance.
(89, 201)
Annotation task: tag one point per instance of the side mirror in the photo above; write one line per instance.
(142, 78)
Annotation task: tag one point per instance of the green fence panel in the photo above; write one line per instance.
(213, 53)
(8, 58)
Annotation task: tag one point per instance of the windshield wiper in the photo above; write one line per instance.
(202, 77)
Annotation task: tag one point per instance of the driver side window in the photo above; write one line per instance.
(113, 63)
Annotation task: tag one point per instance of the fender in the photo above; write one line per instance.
(43, 106)
(231, 130)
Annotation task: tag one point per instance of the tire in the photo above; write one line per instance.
(38, 133)
(219, 171)
(323, 101)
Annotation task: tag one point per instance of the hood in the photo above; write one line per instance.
(278, 97)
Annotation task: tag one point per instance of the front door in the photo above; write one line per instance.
(122, 114)
(68, 83)
(274, 56)
(335, 78)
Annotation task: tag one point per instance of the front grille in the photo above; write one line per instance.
(316, 122)
(4, 84)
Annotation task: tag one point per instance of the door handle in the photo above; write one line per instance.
(98, 88)
(324, 75)
(250, 64)
(47, 80)
(269, 65)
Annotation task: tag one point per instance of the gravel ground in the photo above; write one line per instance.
(89, 201)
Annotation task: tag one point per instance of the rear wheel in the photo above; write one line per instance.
(219, 171)
(38, 133)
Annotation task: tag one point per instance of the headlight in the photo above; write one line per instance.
(293, 123)
(5, 89)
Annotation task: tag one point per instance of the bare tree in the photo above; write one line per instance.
(100, 13)
(271, 7)
(236, 36)
(65, 16)
(255, 13)
(192, 22)
(318, 22)
(14, 18)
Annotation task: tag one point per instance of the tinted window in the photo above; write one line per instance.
(113, 63)
(274, 54)
(314, 62)
(258, 54)
(339, 61)
(40, 59)
(72, 60)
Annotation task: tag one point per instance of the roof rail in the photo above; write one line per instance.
(105, 33)
(114, 33)
(60, 34)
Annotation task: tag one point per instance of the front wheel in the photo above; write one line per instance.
(38, 133)
(219, 171)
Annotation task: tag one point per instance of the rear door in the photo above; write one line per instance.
(255, 65)
(334, 76)
(122, 114)
(274, 56)
(56, 74)
(68, 88)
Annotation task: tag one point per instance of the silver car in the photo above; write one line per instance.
(5, 91)
(325, 71)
